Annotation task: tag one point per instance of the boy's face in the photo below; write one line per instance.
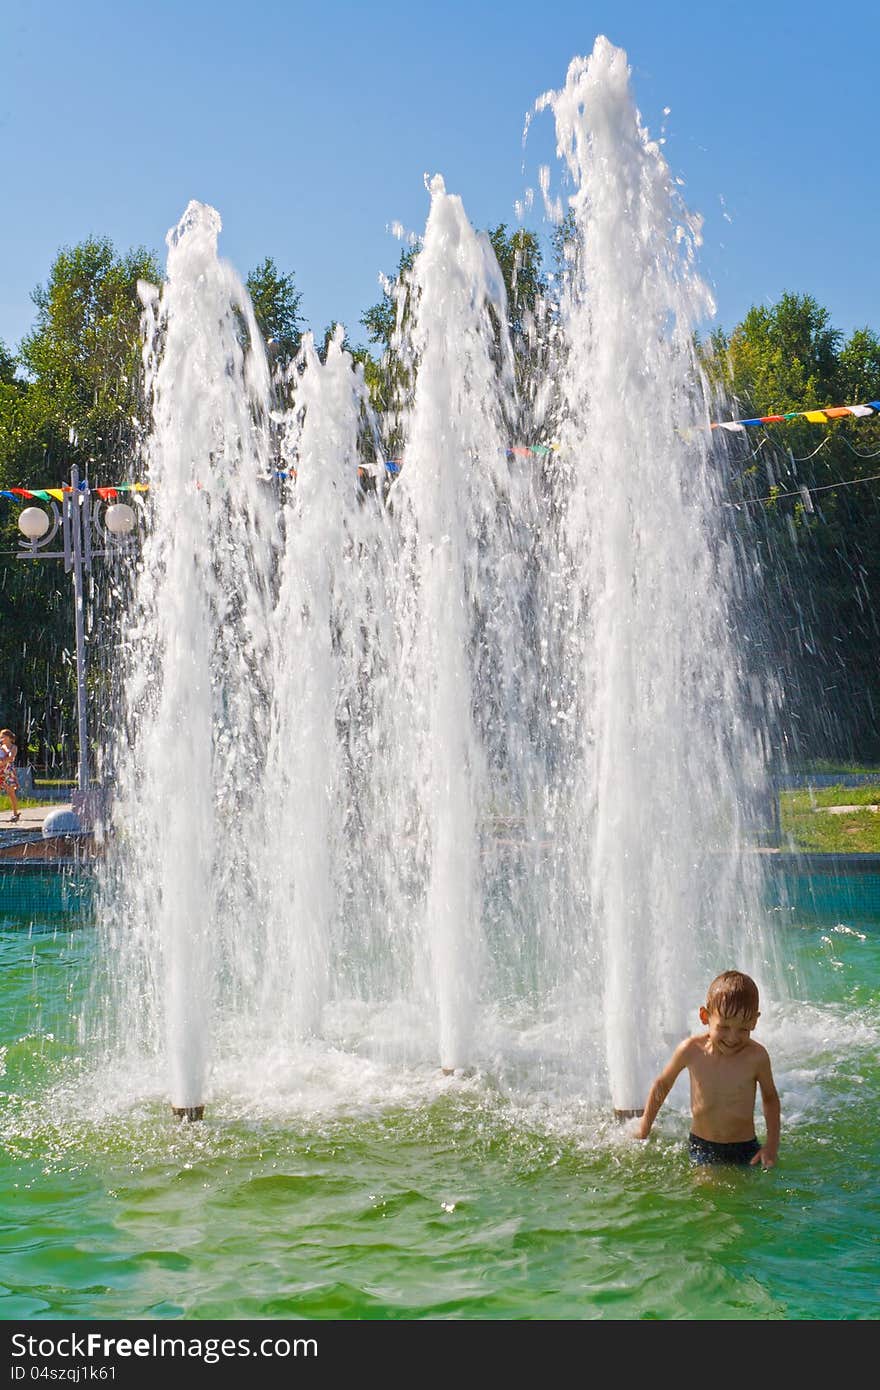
(728, 1032)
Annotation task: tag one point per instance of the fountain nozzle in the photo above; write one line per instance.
(189, 1112)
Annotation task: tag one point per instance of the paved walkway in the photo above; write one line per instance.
(23, 842)
(30, 817)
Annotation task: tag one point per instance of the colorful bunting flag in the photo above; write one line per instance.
(815, 417)
(393, 466)
(46, 494)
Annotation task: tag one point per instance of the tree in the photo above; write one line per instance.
(519, 259)
(77, 400)
(19, 435)
(7, 365)
(819, 543)
(390, 377)
(83, 355)
(380, 320)
(859, 368)
(784, 357)
(276, 302)
(529, 316)
(323, 345)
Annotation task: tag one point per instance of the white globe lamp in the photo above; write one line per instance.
(33, 523)
(119, 519)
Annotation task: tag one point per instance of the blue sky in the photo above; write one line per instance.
(311, 127)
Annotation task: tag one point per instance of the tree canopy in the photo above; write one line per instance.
(82, 358)
(276, 302)
(820, 545)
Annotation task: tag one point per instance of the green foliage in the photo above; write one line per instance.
(820, 547)
(7, 365)
(75, 398)
(785, 356)
(519, 258)
(380, 320)
(22, 423)
(389, 377)
(23, 801)
(564, 241)
(82, 358)
(323, 345)
(276, 302)
(859, 368)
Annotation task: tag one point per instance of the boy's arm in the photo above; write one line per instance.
(662, 1086)
(766, 1156)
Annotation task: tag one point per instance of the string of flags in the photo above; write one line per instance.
(815, 417)
(107, 494)
(393, 466)
(57, 494)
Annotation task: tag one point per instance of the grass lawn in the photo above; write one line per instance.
(808, 823)
(6, 804)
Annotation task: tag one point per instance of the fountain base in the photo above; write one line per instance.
(189, 1112)
(628, 1115)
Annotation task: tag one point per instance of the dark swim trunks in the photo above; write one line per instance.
(707, 1151)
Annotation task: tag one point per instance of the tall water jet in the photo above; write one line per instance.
(315, 677)
(191, 718)
(666, 760)
(446, 507)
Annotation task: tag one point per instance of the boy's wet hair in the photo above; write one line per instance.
(732, 993)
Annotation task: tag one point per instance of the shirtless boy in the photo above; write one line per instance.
(726, 1067)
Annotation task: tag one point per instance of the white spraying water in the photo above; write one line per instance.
(193, 721)
(663, 757)
(313, 661)
(446, 506)
(459, 779)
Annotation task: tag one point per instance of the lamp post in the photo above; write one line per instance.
(77, 518)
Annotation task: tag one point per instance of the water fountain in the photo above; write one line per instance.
(420, 781)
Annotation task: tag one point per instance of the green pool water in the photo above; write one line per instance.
(453, 1200)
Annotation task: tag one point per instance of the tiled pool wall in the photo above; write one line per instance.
(43, 895)
(827, 886)
(821, 886)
